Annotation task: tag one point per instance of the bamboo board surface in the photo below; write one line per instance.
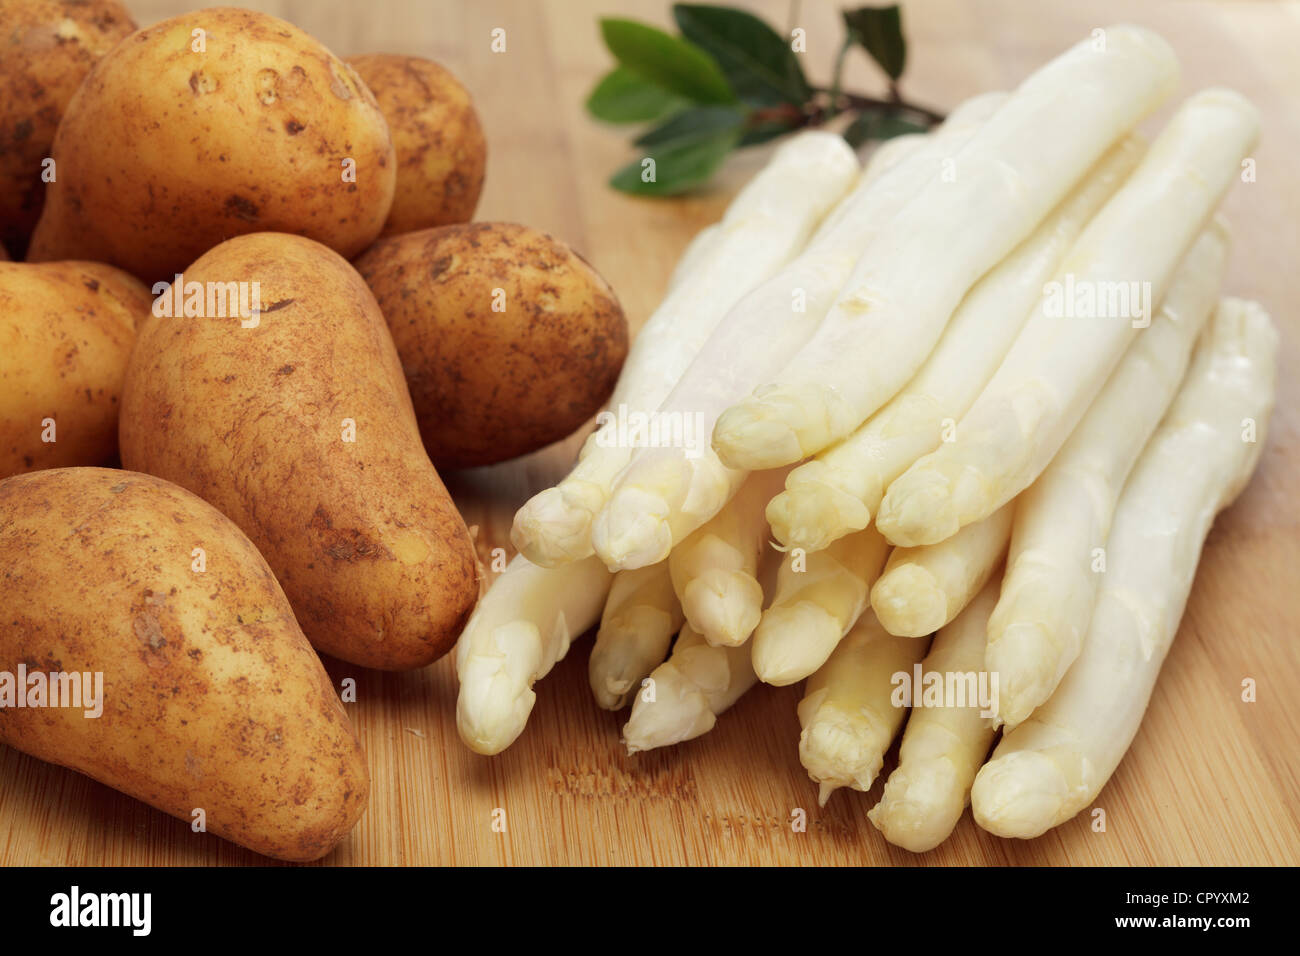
(1209, 779)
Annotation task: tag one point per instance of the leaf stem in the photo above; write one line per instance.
(859, 102)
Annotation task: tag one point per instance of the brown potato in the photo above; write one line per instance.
(509, 339)
(46, 49)
(164, 151)
(211, 697)
(441, 152)
(66, 330)
(301, 430)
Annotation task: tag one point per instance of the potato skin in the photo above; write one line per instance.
(46, 49)
(212, 697)
(164, 152)
(488, 385)
(364, 538)
(441, 150)
(66, 330)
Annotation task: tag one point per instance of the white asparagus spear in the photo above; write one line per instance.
(685, 694)
(847, 715)
(1059, 362)
(943, 746)
(908, 282)
(765, 226)
(697, 252)
(665, 493)
(819, 597)
(838, 491)
(1055, 763)
(1064, 517)
(715, 570)
(923, 588)
(641, 616)
(521, 627)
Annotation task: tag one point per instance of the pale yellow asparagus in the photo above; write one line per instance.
(908, 282)
(1057, 553)
(715, 570)
(838, 491)
(945, 743)
(1056, 762)
(641, 616)
(819, 597)
(521, 627)
(847, 715)
(667, 492)
(1104, 293)
(765, 226)
(923, 588)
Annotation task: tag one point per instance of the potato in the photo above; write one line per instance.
(66, 330)
(301, 430)
(441, 152)
(509, 339)
(46, 49)
(211, 697)
(164, 151)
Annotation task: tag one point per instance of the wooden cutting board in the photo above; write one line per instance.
(1210, 779)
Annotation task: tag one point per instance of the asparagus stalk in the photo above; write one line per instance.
(847, 716)
(522, 626)
(896, 304)
(923, 588)
(838, 491)
(943, 746)
(1058, 364)
(636, 629)
(1064, 517)
(715, 570)
(666, 493)
(1056, 762)
(765, 226)
(818, 598)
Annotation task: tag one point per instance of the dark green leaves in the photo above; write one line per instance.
(729, 81)
(879, 31)
(623, 97)
(667, 61)
(760, 65)
(870, 126)
(682, 153)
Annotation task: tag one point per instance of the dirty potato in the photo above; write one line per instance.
(441, 152)
(208, 696)
(296, 423)
(46, 49)
(66, 330)
(178, 140)
(508, 338)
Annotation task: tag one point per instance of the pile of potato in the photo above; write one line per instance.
(278, 490)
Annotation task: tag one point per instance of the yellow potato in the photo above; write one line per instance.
(165, 151)
(508, 338)
(301, 430)
(46, 49)
(66, 330)
(441, 152)
(211, 698)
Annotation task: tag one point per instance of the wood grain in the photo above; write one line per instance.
(1209, 780)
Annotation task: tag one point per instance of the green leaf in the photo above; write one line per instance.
(675, 64)
(685, 160)
(766, 131)
(698, 122)
(879, 30)
(760, 65)
(869, 126)
(623, 97)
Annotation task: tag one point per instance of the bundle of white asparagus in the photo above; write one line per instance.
(983, 391)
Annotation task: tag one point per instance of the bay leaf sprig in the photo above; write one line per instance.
(730, 80)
